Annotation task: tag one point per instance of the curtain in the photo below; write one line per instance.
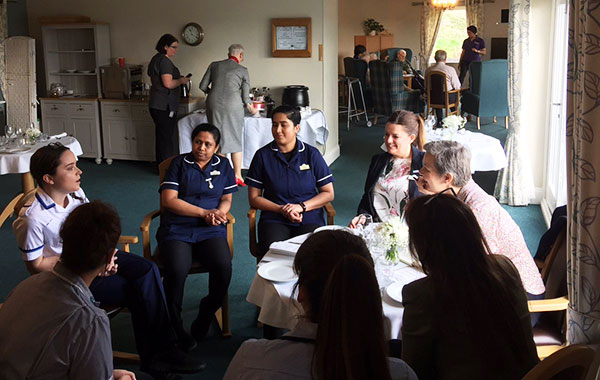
(475, 14)
(514, 185)
(430, 25)
(3, 36)
(583, 157)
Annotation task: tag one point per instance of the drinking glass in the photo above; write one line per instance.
(363, 221)
(8, 131)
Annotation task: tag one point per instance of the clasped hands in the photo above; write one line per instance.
(215, 217)
(292, 211)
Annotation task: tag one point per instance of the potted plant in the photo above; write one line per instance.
(372, 27)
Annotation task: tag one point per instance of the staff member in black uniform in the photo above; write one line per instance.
(195, 197)
(289, 181)
(164, 95)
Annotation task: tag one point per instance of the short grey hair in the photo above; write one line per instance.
(451, 157)
(440, 55)
(401, 51)
(235, 49)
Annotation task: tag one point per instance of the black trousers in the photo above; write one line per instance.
(165, 132)
(439, 113)
(272, 232)
(464, 69)
(177, 257)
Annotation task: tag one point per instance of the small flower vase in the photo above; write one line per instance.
(372, 33)
(391, 256)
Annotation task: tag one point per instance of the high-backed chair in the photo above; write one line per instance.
(569, 363)
(252, 240)
(388, 89)
(392, 54)
(488, 92)
(438, 96)
(223, 313)
(549, 333)
(359, 96)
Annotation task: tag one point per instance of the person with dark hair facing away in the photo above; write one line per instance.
(195, 197)
(134, 282)
(289, 181)
(164, 95)
(50, 326)
(359, 51)
(341, 335)
(388, 185)
(468, 319)
(472, 49)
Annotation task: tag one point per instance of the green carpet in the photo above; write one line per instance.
(131, 187)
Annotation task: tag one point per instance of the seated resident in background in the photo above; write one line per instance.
(50, 327)
(289, 181)
(452, 82)
(468, 319)
(134, 282)
(447, 165)
(388, 186)
(359, 51)
(336, 282)
(195, 197)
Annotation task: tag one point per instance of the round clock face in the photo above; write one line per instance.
(192, 34)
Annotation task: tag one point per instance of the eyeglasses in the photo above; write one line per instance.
(173, 47)
(438, 194)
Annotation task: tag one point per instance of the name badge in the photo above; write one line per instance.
(304, 167)
(215, 172)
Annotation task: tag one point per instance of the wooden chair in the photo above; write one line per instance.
(13, 208)
(569, 363)
(252, 226)
(223, 313)
(549, 333)
(438, 96)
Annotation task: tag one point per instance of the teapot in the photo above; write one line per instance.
(57, 89)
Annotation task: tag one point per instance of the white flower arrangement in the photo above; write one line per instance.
(33, 134)
(454, 122)
(391, 237)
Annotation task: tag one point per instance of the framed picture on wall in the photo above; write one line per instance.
(291, 37)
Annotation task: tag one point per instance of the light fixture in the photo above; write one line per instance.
(444, 4)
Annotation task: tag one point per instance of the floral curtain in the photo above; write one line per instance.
(3, 36)
(430, 25)
(583, 157)
(475, 14)
(514, 185)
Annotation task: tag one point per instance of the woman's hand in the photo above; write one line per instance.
(357, 221)
(122, 374)
(111, 268)
(215, 217)
(293, 212)
(184, 80)
(251, 109)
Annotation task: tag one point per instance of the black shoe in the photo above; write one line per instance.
(186, 342)
(177, 361)
(200, 326)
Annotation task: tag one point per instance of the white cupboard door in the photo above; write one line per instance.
(52, 126)
(83, 132)
(144, 140)
(116, 139)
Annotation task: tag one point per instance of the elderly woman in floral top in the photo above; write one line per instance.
(388, 185)
(447, 165)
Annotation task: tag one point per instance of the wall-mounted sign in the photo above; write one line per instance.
(291, 37)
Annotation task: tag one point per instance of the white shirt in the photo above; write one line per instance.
(452, 81)
(38, 225)
(278, 359)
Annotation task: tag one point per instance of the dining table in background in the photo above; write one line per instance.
(257, 132)
(278, 304)
(18, 162)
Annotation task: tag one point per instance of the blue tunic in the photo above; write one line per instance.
(193, 185)
(289, 182)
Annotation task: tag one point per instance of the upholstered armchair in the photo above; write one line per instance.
(392, 53)
(488, 92)
(388, 89)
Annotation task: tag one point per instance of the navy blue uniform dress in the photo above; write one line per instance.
(184, 239)
(282, 182)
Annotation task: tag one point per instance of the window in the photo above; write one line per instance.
(452, 33)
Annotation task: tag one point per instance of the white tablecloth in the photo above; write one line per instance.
(19, 162)
(257, 132)
(486, 151)
(278, 308)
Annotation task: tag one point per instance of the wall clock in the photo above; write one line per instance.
(192, 34)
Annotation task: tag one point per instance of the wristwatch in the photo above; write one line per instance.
(303, 207)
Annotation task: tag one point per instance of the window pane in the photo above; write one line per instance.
(453, 31)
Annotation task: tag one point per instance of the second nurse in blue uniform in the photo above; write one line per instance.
(289, 181)
(195, 198)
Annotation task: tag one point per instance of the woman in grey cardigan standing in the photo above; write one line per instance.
(227, 84)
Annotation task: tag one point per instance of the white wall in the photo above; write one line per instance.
(136, 25)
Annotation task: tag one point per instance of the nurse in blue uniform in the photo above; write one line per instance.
(195, 197)
(289, 181)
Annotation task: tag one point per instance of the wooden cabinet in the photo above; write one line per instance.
(375, 43)
(79, 118)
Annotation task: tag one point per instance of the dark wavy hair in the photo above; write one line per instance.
(413, 125)
(45, 161)
(291, 112)
(165, 40)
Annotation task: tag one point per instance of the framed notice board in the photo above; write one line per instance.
(291, 37)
